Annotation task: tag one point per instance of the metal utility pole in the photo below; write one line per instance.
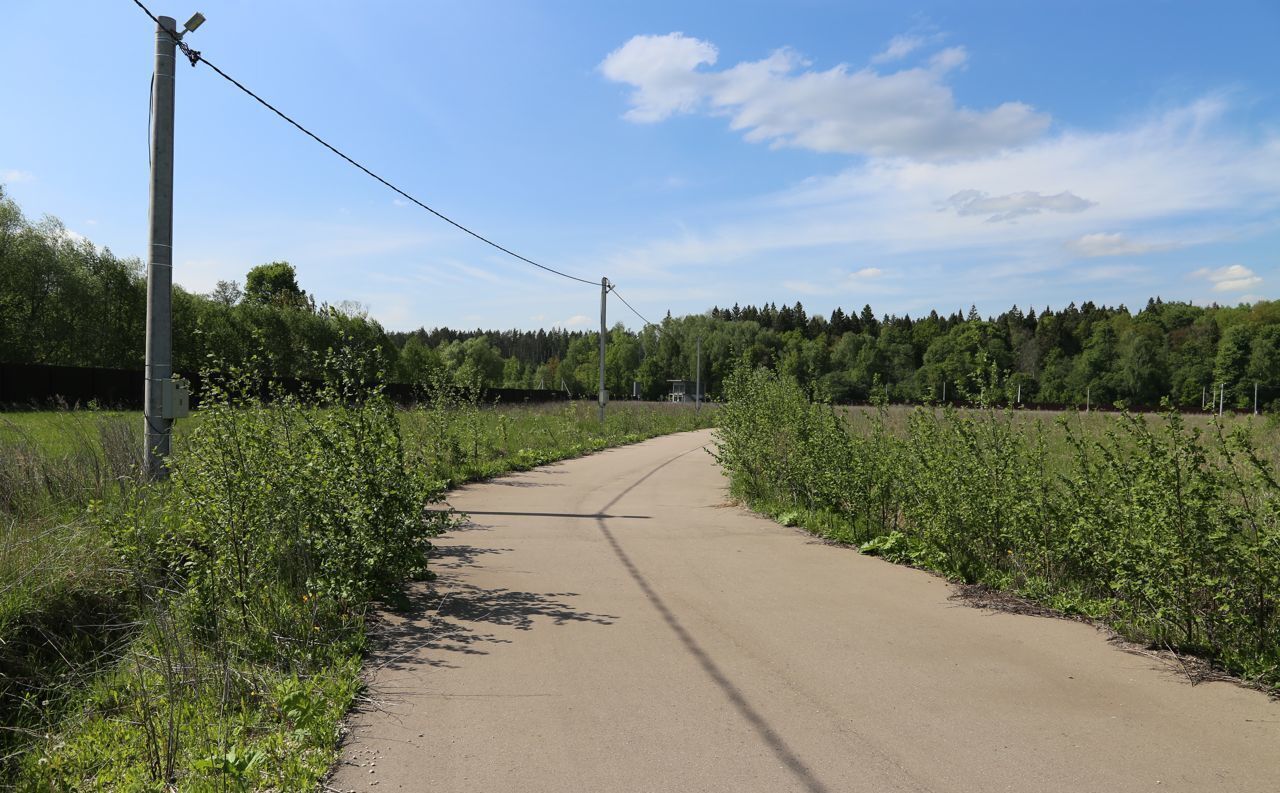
(1019, 402)
(1204, 398)
(697, 387)
(1222, 396)
(159, 345)
(1088, 392)
(1255, 398)
(604, 293)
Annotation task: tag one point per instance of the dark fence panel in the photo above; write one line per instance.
(27, 386)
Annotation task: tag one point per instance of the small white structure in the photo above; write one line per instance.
(682, 391)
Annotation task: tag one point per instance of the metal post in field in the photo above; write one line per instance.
(159, 343)
(1255, 398)
(944, 392)
(604, 293)
(697, 388)
(1204, 398)
(1087, 394)
(1019, 402)
(1222, 397)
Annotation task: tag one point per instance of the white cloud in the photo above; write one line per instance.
(1232, 278)
(663, 71)
(15, 176)
(1180, 177)
(839, 283)
(1014, 205)
(1115, 244)
(781, 100)
(576, 320)
(898, 48)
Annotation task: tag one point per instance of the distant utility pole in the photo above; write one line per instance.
(1088, 391)
(1255, 397)
(1222, 397)
(604, 293)
(697, 388)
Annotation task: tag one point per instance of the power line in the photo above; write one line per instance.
(628, 305)
(195, 57)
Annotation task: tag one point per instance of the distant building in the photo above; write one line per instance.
(683, 391)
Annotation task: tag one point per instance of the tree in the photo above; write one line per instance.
(275, 284)
(226, 293)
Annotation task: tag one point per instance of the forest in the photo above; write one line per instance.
(65, 301)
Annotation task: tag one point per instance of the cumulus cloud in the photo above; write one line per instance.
(1014, 205)
(576, 320)
(1232, 278)
(1178, 177)
(899, 47)
(14, 176)
(1115, 244)
(781, 100)
(663, 71)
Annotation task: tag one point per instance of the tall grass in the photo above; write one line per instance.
(206, 633)
(1169, 532)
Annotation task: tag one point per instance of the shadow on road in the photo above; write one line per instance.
(767, 734)
(453, 557)
(591, 515)
(435, 622)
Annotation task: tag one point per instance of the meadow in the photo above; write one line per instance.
(1165, 527)
(207, 632)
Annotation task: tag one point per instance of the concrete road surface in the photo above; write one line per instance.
(611, 624)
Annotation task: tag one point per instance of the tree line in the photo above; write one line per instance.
(65, 301)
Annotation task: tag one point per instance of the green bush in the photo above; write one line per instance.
(1170, 534)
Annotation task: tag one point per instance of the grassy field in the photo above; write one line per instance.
(207, 633)
(1166, 527)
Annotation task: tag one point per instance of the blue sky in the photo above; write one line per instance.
(907, 155)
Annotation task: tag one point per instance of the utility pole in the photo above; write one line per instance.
(604, 293)
(159, 344)
(1204, 398)
(944, 392)
(697, 387)
(1222, 396)
(1088, 392)
(1255, 397)
(1019, 394)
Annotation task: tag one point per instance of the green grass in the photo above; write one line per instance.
(1166, 527)
(125, 663)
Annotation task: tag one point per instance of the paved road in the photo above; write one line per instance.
(610, 624)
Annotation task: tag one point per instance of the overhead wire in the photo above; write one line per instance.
(618, 294)
(195, 57)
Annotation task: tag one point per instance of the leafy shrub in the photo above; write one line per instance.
(1171, 536)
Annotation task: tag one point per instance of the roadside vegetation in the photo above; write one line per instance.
(207, 633)
(70, 303)
(1165, 527)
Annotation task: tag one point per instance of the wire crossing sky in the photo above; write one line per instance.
(196, 57)
(916, 157)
